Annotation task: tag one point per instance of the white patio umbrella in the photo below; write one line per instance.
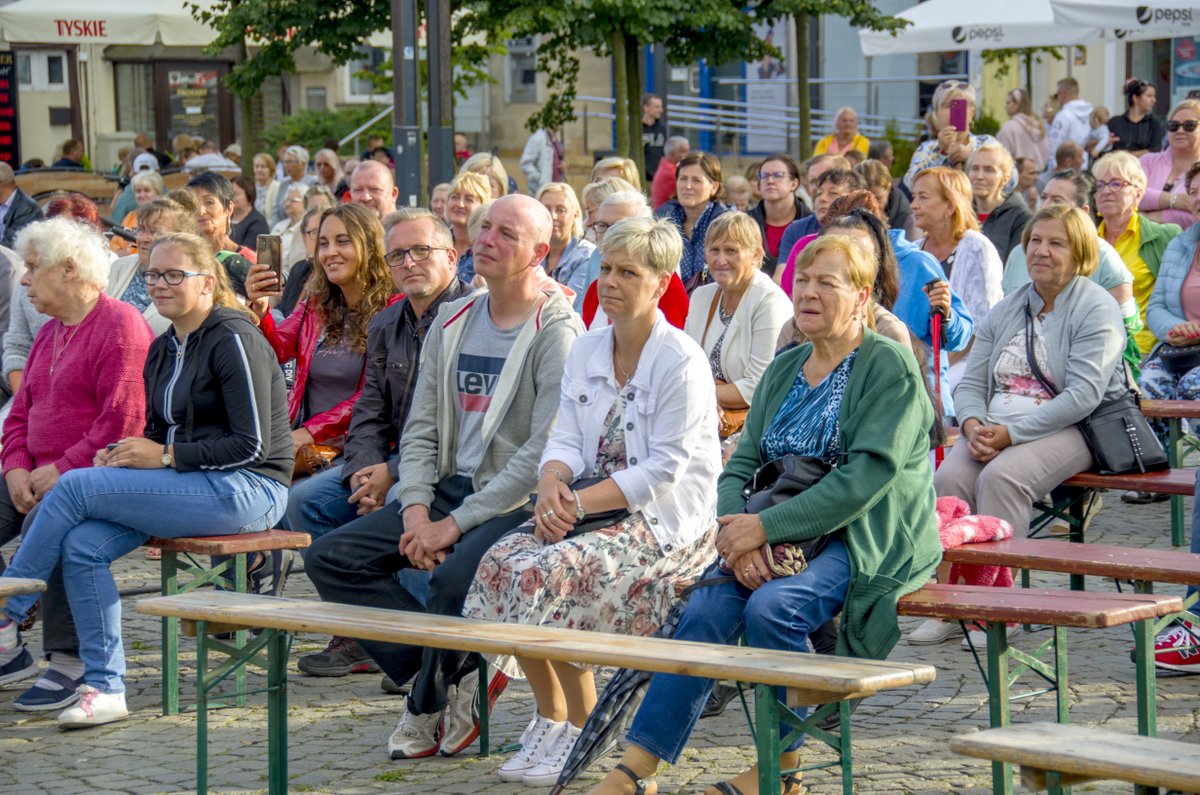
(943, 25)
(1162, 19)
(88, 22)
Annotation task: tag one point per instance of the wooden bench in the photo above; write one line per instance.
(190, 557)
(809, 679)
(1072, 507)
(16, 586)
(1174, 412)
(998, 607)
(1053, 757)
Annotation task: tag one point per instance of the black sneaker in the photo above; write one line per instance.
(271, 575)
(342, 656)
(718, 700)
(23, 666)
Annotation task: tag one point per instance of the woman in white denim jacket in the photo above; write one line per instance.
(638, 411)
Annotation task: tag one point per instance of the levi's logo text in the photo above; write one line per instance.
(1147, 15)
(477, 379)
(985, 33)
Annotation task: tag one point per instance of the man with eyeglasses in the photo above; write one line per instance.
(373, 185)
(422, 260)
(484, 403)
(295, 173)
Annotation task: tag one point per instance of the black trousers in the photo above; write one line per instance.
(356, 564)
(58, 626)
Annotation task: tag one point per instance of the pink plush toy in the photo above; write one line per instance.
(956, 526)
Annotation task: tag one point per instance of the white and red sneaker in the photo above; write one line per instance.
(93, 709)
(1178, 649)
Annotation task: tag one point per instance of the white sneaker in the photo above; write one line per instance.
(933, 631)
(539, 735)
(415, 736)
(978, 637)
(545, 773)
(93, 709)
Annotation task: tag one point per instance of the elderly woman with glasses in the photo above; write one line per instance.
(1165, 198)
(1139, 240)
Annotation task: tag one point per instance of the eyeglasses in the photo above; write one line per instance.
(599, 227)
(395, 257)
(1112, 184)
(174, 278)
(1188, 126)
(312, 233)
(768, 176)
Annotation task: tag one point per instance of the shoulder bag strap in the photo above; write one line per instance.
(1033, 365)
(712, 310)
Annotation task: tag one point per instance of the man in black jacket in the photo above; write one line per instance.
(326, 501)
(17, 210)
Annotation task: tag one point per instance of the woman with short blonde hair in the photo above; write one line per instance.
(491, 168)
(567, 260)
(468, 190)
(1002, 214)
(621, 167)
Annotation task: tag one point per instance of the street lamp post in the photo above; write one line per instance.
(406, 133)
(441, 108)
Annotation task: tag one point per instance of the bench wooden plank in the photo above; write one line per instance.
(837, 675)
(1126, 563)
(1180, 482)
(236, 544)
(15, 586)
(1089, 753)
(1035, 606)
(1171, 409)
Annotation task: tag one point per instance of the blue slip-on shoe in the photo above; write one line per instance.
(20, 667)
(39, 698)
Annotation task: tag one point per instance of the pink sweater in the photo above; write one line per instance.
(1157, 166)
(96, 394)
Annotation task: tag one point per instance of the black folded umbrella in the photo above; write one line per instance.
(619, 701)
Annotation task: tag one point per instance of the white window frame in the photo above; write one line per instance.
(348, 71)
(39, 70)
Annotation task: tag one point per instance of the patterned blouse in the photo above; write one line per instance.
(807, 422)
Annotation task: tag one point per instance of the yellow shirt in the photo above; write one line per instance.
(860, 142)
(1143, 280)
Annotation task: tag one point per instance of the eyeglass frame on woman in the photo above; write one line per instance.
(768, 176)
(410, 253)
(151, 277)
(1113, 185)
(1188, 126)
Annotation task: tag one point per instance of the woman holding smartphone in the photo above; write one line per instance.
(952, 113)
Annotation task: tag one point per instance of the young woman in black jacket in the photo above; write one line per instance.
(216, 458)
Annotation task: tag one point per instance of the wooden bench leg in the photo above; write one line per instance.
(277, 656)
(766, 713)
(1175, 460)
(202, 686)
(999, 713)
(484, 713)
(1143, 650)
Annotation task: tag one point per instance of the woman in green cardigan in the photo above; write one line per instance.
(855, 400)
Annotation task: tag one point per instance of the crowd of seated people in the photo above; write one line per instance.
(447, 399)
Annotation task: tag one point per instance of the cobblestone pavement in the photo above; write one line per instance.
(338, 728)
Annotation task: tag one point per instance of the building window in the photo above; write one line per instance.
(314, 98)
(359, 86)
(135, 97)
(42, 70)
(522, 70)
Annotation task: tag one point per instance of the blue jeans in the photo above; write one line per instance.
(779, 615)
(319, 504)
(94, 516)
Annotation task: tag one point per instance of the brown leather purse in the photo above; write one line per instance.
(312, 458)
(729, 421)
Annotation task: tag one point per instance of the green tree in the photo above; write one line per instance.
(1004, 59)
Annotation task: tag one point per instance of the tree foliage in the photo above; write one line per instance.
(1004, 59)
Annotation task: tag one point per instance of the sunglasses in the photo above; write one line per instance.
(1188, 126)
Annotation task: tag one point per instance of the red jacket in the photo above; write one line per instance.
(674, 302)
(297, 338)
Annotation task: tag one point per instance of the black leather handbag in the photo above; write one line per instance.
(1178, 360)
(777, 482)
(1117, 432)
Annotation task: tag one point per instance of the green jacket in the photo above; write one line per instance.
(1154, 240)
(881, 490)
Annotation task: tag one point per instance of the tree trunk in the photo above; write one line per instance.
(251, 134)
(621, 92)
(633, 86)
(805, 95)
(1029, 76)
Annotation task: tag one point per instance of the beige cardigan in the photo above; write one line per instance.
(124, 271)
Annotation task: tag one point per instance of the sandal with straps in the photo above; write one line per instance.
(639, 784)
(788, 781)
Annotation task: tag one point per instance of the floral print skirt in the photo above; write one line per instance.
(615, 579)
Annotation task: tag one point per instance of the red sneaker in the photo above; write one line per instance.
(1178, 649)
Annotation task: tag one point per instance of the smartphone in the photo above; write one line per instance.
(958, 114)
(270, 253)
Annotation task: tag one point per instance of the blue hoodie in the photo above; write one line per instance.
(918, 268)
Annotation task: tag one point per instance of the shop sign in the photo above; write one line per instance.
(10, 150)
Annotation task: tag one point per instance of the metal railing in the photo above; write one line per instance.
(727, 119)
(353, 136)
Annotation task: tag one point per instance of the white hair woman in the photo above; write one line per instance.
(643, 389)
(82, 390)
